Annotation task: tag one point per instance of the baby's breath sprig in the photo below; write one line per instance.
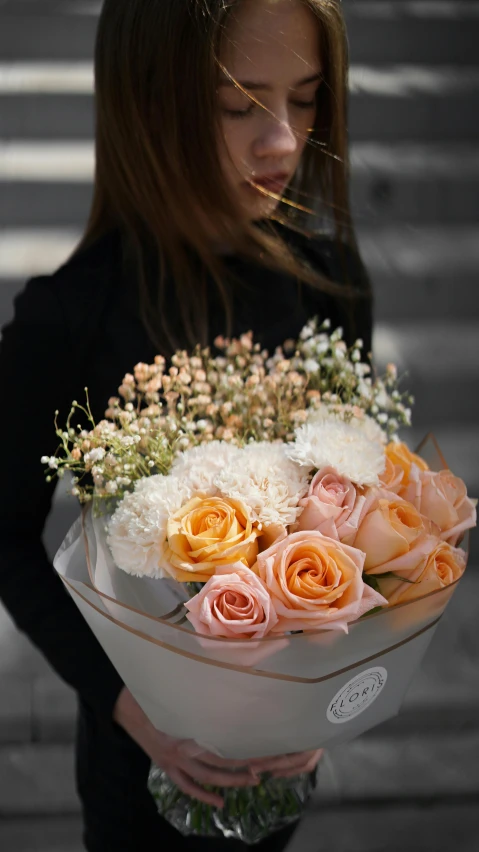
(241, 395)
(343, 378)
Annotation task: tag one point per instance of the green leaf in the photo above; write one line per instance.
(392, 576)
(372, 581)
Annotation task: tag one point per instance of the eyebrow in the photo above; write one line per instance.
(249, 84)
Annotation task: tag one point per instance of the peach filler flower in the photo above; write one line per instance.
(235, 603)
(209, 532)
(245, 394)
(316, 583)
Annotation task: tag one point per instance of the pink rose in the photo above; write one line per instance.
(316, 582)
(234, 603)
(332, 506)
(393, 534)
(442, 497)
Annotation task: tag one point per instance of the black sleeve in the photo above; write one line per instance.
(356, 313)
(38, 376)
(342, 264)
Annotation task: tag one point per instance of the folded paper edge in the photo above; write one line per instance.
(243, 669)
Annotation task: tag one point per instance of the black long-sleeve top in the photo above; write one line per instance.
(80, 327)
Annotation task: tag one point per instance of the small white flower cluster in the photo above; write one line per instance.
(242, 396)
(341, 376)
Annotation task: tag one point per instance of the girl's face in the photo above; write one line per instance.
(271, 49)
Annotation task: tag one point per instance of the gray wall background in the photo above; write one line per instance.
(414, 133)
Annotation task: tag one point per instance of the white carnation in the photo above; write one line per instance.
(368, 425)
(199, 466)
(269, 483)
(137, 530)
(354, 449)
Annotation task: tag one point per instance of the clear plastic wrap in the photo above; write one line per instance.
(249, 815)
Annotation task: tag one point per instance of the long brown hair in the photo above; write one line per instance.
(156, 75)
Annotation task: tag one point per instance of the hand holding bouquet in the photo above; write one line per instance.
(272, 496)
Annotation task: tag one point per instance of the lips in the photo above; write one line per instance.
(272, 183)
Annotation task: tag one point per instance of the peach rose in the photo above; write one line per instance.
(206, 533)
(443, 565)
(392, 476)
(235, 603)
(315, 582)
(442, 497)
(401, 456)
(392, 534)
(332, 506)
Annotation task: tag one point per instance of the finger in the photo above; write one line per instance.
(188, 786)
(291, 774)
(191, 749)
(274, 764)
(285, 762)
(217, 777)
(295, 757)
(307, 767)
(222, 762)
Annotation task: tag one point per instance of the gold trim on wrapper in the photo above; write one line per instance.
(244, 669)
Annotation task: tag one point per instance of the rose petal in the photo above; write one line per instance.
(316, 582)
(234, 603)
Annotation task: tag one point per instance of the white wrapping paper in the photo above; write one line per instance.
(236, 698)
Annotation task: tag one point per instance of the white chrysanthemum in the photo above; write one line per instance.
(137, 530)
(349, 448)
(370, 427)
(199, 466)
(269, 483)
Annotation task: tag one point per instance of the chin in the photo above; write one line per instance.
(261, 210)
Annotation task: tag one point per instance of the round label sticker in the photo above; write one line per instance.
(357, 695)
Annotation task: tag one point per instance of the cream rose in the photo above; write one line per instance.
(392, 477)
(442, 497)
(392, 534)
(235, 603)
(206, 533)
(315, 583)
(333, 505)
(401, 456)
(442, 566)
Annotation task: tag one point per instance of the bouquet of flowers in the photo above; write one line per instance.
(256, 534)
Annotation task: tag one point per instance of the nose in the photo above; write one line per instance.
(277, 138)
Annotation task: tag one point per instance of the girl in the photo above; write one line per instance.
(220, 206)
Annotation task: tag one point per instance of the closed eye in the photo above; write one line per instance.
(244, 113)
